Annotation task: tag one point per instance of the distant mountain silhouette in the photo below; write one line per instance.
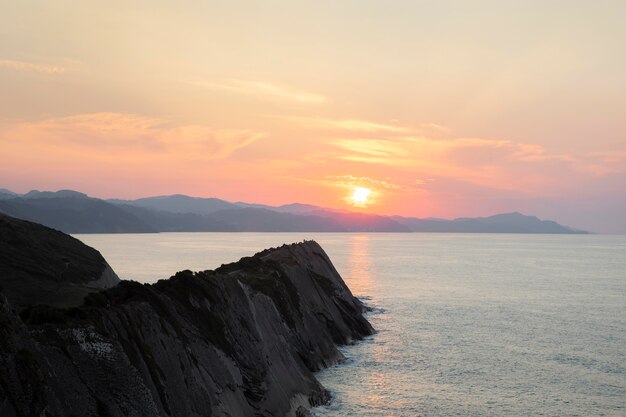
(4, 194)
(249, 217)
(298, 208)
(75, 212)
(179, 203)
(163, 221)
(252, 219)
(500, 223)
(54, 194)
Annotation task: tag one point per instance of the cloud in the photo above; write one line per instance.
(492, 163)
(346, 124)
(354, 181)
(24, 66)
(604, 163)
(467, 152)
(377, 149)
(435, 126)
(264, 90)
(360, 125)
(116, 134)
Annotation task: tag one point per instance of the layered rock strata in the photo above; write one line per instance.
(242, 340)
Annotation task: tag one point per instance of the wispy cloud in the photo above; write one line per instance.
(468, 152)
(435, 126)
(603, 163)
(498, 164)
(352, 181)
(264, 90)
(615, 157)
(24, 66)
(378, 148)
(361, 125)
(115, 134)
(355, 125)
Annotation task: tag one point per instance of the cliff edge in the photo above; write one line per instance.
(39, 265)
(242, 340)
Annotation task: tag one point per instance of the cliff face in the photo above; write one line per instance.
(243, 340)
(39, 265)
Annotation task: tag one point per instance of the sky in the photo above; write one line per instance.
(441, 108)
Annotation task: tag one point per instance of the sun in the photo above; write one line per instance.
(360, 196)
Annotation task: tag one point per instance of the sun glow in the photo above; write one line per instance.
(360, 196)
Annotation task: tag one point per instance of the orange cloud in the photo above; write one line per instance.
(435, 126)
(263, 90)
(497, 164)
(352, 180)
(346, 124)
(128, 134)
(409, 150)
(24, 66)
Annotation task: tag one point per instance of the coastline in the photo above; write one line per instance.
(350, 358)
(243, 339)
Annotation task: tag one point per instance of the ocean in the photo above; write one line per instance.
(468, 324)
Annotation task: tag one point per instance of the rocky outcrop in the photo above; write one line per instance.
(39, 265)
(242, 340)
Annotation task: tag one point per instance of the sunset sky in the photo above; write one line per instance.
(442, 108)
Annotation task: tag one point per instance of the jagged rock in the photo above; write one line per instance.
(243, 340)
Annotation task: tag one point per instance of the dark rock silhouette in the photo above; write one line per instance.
(243, 340)
(39, 265)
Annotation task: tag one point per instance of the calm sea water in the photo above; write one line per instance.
(469, 324)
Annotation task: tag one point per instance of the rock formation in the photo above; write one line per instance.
(243, 340)
(39, 265)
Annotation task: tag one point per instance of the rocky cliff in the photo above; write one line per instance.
(243, 340)
(39, 265)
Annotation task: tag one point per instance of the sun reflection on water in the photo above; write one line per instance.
(359, 276)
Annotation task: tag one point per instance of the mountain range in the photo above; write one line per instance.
(74, 212)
